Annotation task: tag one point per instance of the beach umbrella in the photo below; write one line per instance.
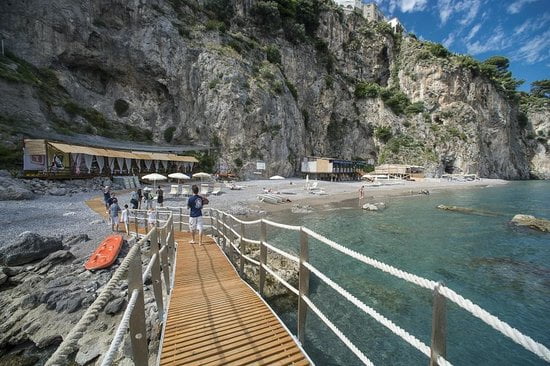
(154, 177)
(201, 175)
(178, 176)
(307, 181)
(276, 177)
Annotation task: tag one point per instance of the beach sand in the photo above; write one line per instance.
(294, 190)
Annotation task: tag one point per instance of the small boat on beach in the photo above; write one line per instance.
(105, 254)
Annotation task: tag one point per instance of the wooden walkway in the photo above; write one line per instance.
(214, 318)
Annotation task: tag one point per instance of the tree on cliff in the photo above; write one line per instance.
(541, 88)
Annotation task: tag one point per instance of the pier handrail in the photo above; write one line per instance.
(162, 258)
(232, 241)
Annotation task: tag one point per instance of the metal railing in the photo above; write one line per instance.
(230, 233)
(162, 249)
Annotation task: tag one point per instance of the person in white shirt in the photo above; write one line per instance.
(124, 219)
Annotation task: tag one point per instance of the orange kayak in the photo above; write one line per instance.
(106, 253)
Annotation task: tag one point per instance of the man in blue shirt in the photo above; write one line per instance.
(195, 204)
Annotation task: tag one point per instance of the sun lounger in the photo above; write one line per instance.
(267, 198)
(173, 190)
(185, 191)
(217, 189)
(204, 189)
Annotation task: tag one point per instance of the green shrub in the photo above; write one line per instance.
(121, 107)
(523, 120)
(212, 24)
(223, 9)
(383, 133)
(212, 84)
(266, 14)
(415, 108)
(307, 13)
(277, 87)
(329, 81)
(233, 43)
(305, 115)
(169, 134)
(238, 162)
(366, 90)
(292, 89)
(395, 100)
(438, 50)
(273, 55)
(295, 32)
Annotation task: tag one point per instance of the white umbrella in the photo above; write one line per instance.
(307, 181)
(154, 177)
(178, 176)
(201, 175)
(276, 177)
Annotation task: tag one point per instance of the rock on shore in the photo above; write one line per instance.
(27, 248)
(13, 189)
(532, 222)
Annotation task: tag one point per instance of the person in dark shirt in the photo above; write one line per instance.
(195, 204)
(106, 196)
(160, 196)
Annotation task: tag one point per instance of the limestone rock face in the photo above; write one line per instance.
(27, 248)
(165, 67)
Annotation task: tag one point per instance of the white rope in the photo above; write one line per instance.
(257, 242)
(251, 260)
(338, 333)
(235, 248)
(280, 279)
(121, 330)
(149, 267)
(497, 324)
(491, 320)
(282, 252)
(410, 339)
(282, 226)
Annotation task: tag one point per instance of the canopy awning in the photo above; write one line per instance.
(35, 147)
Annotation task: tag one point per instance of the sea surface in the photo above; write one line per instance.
(502, 268)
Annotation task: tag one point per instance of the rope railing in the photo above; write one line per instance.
(134, 315)
(436, 352)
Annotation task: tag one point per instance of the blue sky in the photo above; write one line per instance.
(516, 29)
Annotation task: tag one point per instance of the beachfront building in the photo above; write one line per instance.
(52, 159)
(400, 171)
(332, 169)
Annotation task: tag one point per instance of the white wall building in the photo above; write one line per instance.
(370, 11)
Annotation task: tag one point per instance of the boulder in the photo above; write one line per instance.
(301, 209)
(12, 189)
(374, 206)
(3, 278)
(76, 239)
(115, 306)
(532, 222)
(29, 247)
(57, 191)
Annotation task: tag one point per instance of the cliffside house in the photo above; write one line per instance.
(369, 11)
(333, 169)
(52, 159)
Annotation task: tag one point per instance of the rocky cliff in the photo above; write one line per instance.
(257, 80)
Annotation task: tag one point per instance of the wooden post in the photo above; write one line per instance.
(181, 219)
(218, 232)
(136, 223)
(146, 224)
(439, 327)
(229, 246)
(242, 247)
(164, 256)
(263, 255)
(303, 286)
(138, 334)
(224, 232)
(155, 272)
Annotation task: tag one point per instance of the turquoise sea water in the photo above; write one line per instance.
(502, 268)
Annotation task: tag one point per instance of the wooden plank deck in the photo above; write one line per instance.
(214, 318)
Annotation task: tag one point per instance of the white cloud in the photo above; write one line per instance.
(497, 42)
(445, 8)
(533, 24)
(447, 42)
(516, 6)
(472, 32)
(473, 8)
(407, 6)
(535, 50)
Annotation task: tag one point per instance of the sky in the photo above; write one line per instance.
(516, 29)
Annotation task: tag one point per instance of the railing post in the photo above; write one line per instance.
(224, 232)
(136, 224)
(218, 227)
(155, 272)
(181, 219)
(263, 255)
(146, 220)
(241, 248)
(303, 286)
(172, 244)
(164, 256)
(439, 327)
(138, 333)
(230, 247)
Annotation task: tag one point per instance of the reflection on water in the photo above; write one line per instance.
(502, 269)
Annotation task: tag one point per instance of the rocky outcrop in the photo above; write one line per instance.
(467, 210)
(532, 222)
(142, 67)
(379, 206)
(28, 248)
(13, 189)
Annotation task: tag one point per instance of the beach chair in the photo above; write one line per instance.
(217, 189)
(204, 189)
(173, 190)
(185, 191)
(313, 185)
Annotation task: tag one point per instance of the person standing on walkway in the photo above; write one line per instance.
(140, 197)
(106, 196)
(160, 196)
(114, 210)
(148, 199)
(134, 200)
(362, 192)
(195, 204)
(124, 219)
